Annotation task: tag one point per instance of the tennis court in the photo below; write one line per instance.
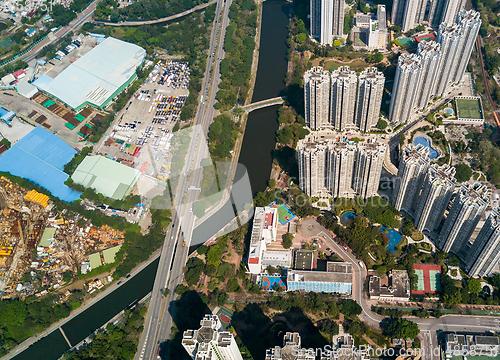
(420, 281)
(469, 108)
(428, 278)
(284, 214)
(435, 284)
(270, 282)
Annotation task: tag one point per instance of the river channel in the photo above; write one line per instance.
(256, 156)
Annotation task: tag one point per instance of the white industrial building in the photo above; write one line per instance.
(97, 77)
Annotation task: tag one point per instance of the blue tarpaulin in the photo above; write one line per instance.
(40, 156)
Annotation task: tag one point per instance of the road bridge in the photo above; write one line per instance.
(157, 21)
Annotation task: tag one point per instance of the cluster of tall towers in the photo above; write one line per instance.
(341, 100)
(410, 13)
(436, 65)
(331, 167)
(424, 192)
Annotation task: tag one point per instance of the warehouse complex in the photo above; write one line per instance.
(106, 176)
(97, 77)
(40, 156)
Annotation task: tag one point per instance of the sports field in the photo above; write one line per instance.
(469, 109)
(360, 39)
(225, 317)
(284, 214)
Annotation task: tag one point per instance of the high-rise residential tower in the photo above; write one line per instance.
(405, 88)
(382, 17)
(434, 198)
(317, 97)
(484, 253)
(343, 98)
(210, 341)
(469, 22)
(449, 36)
(322, 20)
(411, 14)
(369, 99)
(311, 157)
(329, 167)
(413, 166)
(430, 54)
(468, 206)
(368, 168)
(340, 167)
(338, 17)
(451, 9)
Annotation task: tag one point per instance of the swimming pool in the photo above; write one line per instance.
(347, 217)
(394, 238)
(426, 142)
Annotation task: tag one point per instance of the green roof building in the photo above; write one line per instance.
(106, 176)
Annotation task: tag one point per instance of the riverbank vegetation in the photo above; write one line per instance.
(118, 341)
(239, 45)
(21, 319)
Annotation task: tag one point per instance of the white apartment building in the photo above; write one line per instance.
(210, 341)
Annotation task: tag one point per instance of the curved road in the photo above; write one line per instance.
(157, 21)
(428, 327)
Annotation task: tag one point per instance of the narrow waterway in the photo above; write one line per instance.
(260, 133)
(256, 156)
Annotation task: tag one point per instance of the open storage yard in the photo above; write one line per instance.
(141, 134)
(38, 244)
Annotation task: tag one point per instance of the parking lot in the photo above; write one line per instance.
(141, 133)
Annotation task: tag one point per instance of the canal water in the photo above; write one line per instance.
(256, 156)
(260, 133)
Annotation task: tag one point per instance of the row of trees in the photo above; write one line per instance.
(116, 341)
(143, 10)
(239, 44)
(21, 319)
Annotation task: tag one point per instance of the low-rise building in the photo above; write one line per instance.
(465, 345)
(263, 233)
(291, 349)
(397, 287)
(336, 279)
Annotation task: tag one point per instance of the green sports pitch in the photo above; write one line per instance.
(284, 214)
(469, 109)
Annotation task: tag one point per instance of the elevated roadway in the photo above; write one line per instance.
(157, 21)
(174, 254)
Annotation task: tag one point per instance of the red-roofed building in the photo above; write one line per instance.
(19, 74)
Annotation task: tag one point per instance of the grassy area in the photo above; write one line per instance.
(358, 65)
(469, 109)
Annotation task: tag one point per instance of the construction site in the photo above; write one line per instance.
(41, 249)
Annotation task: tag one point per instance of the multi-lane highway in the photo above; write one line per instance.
(178, 237)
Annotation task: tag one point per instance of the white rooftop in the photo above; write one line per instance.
(96, 76)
